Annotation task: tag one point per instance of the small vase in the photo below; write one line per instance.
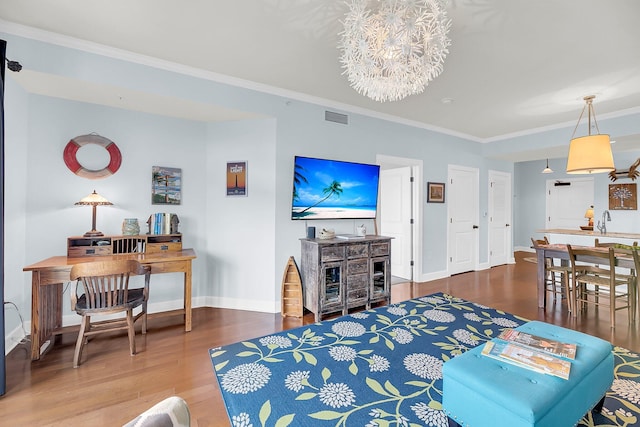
(130, 227)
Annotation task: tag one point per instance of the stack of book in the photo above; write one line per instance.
(160, 223)
(532, 352)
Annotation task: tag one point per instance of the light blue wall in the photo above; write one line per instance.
(530, 187)
(242, 243)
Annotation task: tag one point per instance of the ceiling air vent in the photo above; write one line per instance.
(332, 116)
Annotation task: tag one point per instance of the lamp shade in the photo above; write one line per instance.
(94, 199)
(589, 213)
(590, 154)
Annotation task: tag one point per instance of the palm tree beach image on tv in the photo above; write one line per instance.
(333, 189)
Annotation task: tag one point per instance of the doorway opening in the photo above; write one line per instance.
(400, 214)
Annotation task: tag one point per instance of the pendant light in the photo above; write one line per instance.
(592, 153)
(547, 169)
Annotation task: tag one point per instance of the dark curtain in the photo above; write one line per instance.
(3, 368)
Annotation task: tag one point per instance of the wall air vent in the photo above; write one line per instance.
(332, 116)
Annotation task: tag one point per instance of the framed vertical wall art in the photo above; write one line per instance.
(435, 192)
(166, 185)
(623, 197)
(236, 178)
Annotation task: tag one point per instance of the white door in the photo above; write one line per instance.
(395, 218)
(499, 218)
(463, 219)
(568, 201)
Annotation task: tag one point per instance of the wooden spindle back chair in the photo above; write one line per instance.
(105, 286)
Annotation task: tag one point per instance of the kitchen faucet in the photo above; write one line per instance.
(603, 227)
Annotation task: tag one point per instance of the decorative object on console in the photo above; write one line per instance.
(236, 178)
(623, 197)
(71, 150)
(547, 169)
(93, 200)
(591, 153)
(393, 49)
(166, 185)
(435, 192)
(589, 215)
(130, 227)
(632, 173)
(326, 234)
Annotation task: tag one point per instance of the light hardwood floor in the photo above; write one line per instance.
(111, 387)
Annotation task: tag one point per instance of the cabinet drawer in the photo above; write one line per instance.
(357, 296)
(360, 250)
(357, 282)
(329, 253)
(378, 249)
(163, 247)
(357, 266)
(80, 251)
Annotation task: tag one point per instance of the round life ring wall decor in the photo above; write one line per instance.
(71, 159)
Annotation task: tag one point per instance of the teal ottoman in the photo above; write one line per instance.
(481, 391)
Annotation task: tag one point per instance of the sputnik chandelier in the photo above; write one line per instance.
(394, 48)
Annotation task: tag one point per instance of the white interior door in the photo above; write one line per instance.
(463, 219)
(567, 202)
(499, 218)
(396, 219)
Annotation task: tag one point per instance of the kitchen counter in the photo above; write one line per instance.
(609, 236)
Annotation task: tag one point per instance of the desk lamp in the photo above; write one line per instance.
(93, 200)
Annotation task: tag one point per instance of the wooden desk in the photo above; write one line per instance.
(49, 275)
(560, 251)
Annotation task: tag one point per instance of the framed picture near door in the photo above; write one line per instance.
(435, 192)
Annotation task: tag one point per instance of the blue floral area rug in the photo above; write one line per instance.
(381, 367)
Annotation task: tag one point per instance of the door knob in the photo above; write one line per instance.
(475, 227)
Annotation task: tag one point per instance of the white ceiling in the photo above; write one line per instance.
(515, 66)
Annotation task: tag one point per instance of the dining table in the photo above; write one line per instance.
(560, 251)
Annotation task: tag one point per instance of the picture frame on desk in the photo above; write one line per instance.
(435, 192)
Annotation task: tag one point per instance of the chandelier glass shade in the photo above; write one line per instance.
(391, 49)
(591, 153)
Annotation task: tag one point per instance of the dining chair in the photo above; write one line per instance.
(595, 282)
(631, 275)
(105, 286)
(623, 248)
(598, 243)
(557, 279)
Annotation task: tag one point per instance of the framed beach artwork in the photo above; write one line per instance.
(435, 192)
(166, 185)
(236, 178)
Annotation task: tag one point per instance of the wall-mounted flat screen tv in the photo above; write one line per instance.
(333, 189)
